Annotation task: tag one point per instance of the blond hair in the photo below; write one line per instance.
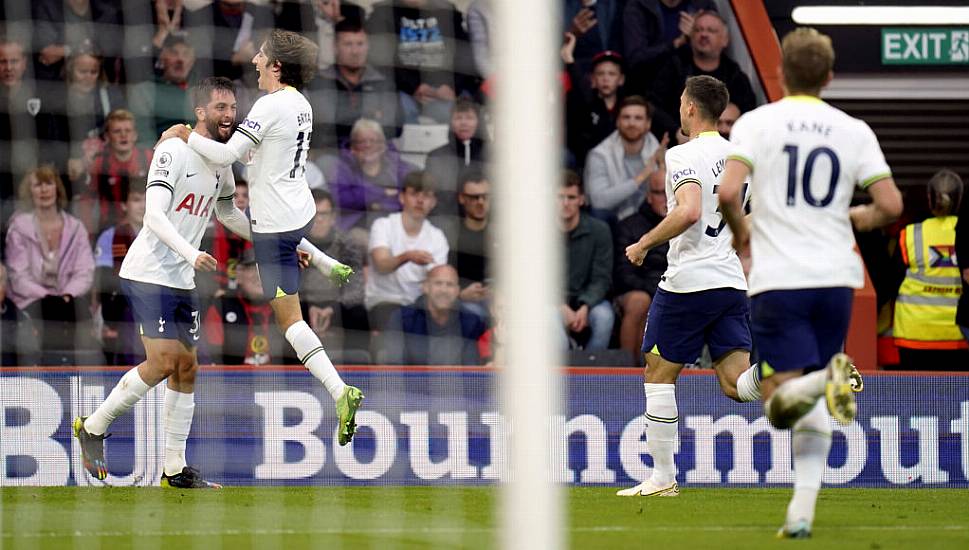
(808, 59)
(43, 173)
(118, 115)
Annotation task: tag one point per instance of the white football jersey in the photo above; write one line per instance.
(196, 185)
(280, 125)
(702, 257)
(806, 159)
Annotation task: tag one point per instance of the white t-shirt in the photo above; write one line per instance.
(279, 128)
(195, 186)
(702, 257)
(403, 285)
(806, 159)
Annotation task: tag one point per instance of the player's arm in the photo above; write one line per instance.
(221, 154)
(232, 218)
(731, 193)
(158, 199)
(886, 206)
(689, 202)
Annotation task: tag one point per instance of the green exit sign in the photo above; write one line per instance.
(922, 46)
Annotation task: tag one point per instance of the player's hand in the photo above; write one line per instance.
(419, 257)
(741, 240)
(304, 258)
(180, 131)
(636, 253)
(205, 262)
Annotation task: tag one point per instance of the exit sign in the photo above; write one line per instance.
(923, 46)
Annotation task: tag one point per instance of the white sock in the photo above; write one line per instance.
(662, 424)
(748, 384)
(811, 384)
(179, 409)
(311, 353)
(810, 443)
(319, 258)
(129, 390)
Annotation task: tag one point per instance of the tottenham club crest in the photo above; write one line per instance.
(33, 106)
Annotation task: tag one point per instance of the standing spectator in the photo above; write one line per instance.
(317, 20)
(471, 242)
(597, 26)
(617, 171)
(925, 327)
(118, 335)
(635, 285)
(336, 314)
(366, 179)
(727, 120)
(435, 329)
(589, 269)
(652, 31)
(704, 56)
(464, 150)
(51, 265)
(424, 44)
(479, 30)
(350, 89)
(962, 255)
(63, 26)
(404, 247)
(226, 35)
(165, 102)
(119, 162)
(591, 111)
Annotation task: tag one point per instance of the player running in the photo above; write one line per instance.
(274, 140)
(702, 296)
(158, 276)
(805, 158)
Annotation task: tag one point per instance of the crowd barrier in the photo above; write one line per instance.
(434, 425)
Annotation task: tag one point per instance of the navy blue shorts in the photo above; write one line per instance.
(277, 261)
(164, 312)
(679, 324)
(799, 329)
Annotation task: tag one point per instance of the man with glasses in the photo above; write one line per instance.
(471, 242)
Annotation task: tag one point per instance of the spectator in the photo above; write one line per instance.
(925, 327)
(586, 312)
(167, 19)
(118, 163)
(471, 244)
(727, 119)
(350, 89)
(12, 324)
(317, 19)
(635, 285)
(51, 265)
(227, 247)
(403, 248)
(62, 27)
(425, 45)
(336, 314)
(652, 31)
(704, 56)
(435, 330)
(366, 180)
(617, 171)
(464, 150)
(165, 102)
(226, 35)
(962, 255)
(118, 335)
(479, 31)
(591, 111)
(597, 26)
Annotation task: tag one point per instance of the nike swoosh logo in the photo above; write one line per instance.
(190, 175)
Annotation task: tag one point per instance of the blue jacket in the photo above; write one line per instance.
(412, 337)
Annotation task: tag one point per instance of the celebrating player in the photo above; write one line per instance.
(275, 139)
(158, 276)
(702, 296)
(805, 158)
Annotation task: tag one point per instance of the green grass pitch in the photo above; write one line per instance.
(292, 518)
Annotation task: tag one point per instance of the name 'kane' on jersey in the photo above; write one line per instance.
(702, 257)
(280, 124)
(195, 185)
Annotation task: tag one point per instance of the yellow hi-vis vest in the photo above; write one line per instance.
(925, 310)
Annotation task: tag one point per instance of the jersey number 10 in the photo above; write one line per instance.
(792, 155)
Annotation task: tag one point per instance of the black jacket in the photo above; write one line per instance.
(646, 277)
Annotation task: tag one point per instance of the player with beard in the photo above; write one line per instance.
(158, 276)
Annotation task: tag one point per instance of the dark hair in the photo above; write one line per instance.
(174, 39)
(636, 101)
(709, 94)
(419, 181)
(470, 175)
(465, 104)
(296, 56)
(202, 91)
(133, 185)
(570, 178)
(322, 195)
(349, 24)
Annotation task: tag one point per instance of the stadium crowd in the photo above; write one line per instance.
(87, 86)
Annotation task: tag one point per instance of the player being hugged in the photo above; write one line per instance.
(274, 140)
(158, 277)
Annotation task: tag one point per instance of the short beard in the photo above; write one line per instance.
(215, 132)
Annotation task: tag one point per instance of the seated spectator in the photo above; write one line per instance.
(226, 35)
(704, 56)
(727, 119)
(434, 330)
(317, 19)
(336, 314)
(13, 341)
(403, 248)
(464, 150)
(586, 314)
(618, 169)
(366, 180)
(119, 337)
(471, 242)
(591, 111)
(634, 286)
(424, 44)
(652, 30)
(60, 28)
(118, 163)
(48, 253)
(165, 102)
(349, 90)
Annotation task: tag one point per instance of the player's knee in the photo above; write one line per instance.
(164, 363)
(730, 390)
